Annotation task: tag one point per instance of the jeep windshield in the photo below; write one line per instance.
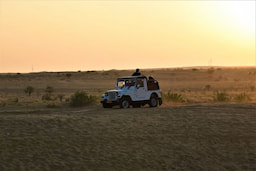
(125, 83)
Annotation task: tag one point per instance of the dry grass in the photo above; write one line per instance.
(195, 84)
(197, 134)
(218, 137)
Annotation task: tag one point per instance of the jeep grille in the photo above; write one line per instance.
(112, 95)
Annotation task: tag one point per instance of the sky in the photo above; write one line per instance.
(72, 35)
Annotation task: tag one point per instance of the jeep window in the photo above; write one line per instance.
(140, 81)
(125, 83)
(120, 84)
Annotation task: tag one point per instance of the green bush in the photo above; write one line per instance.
(175, 97)
(221, 97)
(242, 97)
(81, 98)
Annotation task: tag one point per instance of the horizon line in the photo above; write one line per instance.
(127, 69)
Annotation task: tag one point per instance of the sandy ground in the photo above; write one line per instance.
(198, 137)
(198, 134)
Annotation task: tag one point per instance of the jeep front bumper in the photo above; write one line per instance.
(117, 102)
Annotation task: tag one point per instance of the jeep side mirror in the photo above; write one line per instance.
(138, 86)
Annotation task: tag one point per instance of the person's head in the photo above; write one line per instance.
(137, 70)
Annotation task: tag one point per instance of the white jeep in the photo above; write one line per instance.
(133, 90)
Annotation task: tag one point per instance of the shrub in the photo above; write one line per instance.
(210, 70)
(49, 90)
(3, 104)
(105, 73)
(242, 97)
(252, 88)
(60, 97)
(207, 87)
(46, 97)
(48, 93)
(175, 97)
(68, 75)
(14, 100)
(29, 90)
(81, 98)
(52, 105)
(221, 96)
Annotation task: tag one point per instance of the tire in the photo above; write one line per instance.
(153, 102)
(125, 103)
(105, 105)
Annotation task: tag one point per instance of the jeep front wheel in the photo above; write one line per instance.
(125, 103)
(153, 101)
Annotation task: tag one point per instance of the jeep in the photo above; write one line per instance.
(133, 91)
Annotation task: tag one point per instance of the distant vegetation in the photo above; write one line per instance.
(29, 90)
(48, 93)
(242, 97)
(221, 97)
(191, 85)
(60, 97)
(81, 98)
(252, 88)
(68, 75)
(174, 97)
(210, 70)
(207, 87)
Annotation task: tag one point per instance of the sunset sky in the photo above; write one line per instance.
(68, 35)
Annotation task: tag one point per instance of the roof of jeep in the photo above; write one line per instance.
(132, 77)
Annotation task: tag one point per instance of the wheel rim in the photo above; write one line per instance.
(125, 104)
(153, 102)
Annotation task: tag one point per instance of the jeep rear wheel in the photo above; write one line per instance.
(125, 103)
(153, 101)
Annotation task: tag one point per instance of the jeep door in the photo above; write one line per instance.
(140, 90)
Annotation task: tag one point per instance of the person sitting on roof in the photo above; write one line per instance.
(137, 72)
